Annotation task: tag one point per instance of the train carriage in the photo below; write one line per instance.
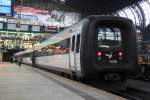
(102, 47)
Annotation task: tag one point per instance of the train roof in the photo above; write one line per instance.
(64, 34)
(54, 39)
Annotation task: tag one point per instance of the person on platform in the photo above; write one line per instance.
(20, 60)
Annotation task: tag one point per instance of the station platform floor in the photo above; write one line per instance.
(28, 83)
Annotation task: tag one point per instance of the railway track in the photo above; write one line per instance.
(126, 95)
(133, 94)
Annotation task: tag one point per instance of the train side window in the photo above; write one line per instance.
(61, 47)
(64, 46)
(73, 43)
(78, 43)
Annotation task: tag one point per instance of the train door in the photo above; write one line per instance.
(72, 53)
(77, 52)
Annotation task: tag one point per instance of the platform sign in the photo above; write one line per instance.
(24, 28)
(1, 26)
(6, 7)
(52, 29)
(11, 26)
(35, 28)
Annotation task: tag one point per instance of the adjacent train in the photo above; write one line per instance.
(97, 47)
(144, 55)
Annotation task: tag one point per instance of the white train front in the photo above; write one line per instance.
(98, 47)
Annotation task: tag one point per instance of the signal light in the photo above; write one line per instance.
(99, 53)
(120, 54)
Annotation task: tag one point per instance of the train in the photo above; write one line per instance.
(144, 64)
(98, 47)
(144, 55)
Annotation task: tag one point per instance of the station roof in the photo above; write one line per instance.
(89, 6)
(98, 6)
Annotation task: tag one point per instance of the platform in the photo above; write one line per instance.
(27, 83)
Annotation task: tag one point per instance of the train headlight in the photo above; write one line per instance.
(120, 54)
(99, 54)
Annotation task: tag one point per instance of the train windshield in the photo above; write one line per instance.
(109, 45)
(109, 37)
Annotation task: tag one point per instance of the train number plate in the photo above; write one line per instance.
(113, 61)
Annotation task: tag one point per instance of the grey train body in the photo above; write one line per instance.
(83, 50)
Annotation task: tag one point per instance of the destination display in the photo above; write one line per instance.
(6, 8)
(35, 28)
(11, 26)
(27, 28)
(51, 29)
(24, 28)
(5, 2)
(1, 25)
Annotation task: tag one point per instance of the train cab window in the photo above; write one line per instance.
(78, 43)
(73, 43)
(109, 37)
(109, 45)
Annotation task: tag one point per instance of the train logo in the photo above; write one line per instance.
(109, 55)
